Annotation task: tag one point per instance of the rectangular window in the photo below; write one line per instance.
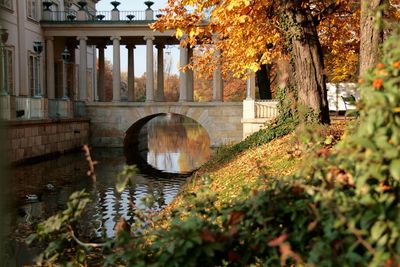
(33, 64)
(32, 12)
(7, 70)
(7, 4)
(10, 69)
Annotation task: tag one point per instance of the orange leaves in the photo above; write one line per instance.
(396, 64)
(377, 83)
(243, 30)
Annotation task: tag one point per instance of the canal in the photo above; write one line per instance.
(169, 148)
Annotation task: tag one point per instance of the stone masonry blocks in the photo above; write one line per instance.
(27, 139)
(222, 121)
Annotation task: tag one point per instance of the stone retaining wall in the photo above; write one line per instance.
(28, 139)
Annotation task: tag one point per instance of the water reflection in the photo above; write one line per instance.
(171, 143)
(175, 144)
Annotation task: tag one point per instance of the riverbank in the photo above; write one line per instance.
(229, 177)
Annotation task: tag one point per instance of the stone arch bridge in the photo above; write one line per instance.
(110, 121)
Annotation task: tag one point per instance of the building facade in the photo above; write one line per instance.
(32, 65)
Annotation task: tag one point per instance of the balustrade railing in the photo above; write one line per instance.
(98, 16)
(266, 108)
(61, 16)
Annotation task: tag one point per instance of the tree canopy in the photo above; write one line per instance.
(249, 34)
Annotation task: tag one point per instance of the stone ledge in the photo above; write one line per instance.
(256, 120)
(163, 104)
(43, 121)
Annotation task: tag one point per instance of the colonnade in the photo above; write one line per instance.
(186, 78)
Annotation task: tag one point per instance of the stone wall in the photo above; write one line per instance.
(111, 121)
(28, 139)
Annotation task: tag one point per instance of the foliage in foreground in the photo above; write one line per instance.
(343, 209)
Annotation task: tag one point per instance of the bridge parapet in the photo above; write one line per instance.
(256, 113)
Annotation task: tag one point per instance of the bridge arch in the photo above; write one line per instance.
(132, 133)
(200, 116)
(110, 122)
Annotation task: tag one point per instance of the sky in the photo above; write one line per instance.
(140, 51)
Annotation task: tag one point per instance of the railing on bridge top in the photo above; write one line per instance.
(266, 109)
(98, 16)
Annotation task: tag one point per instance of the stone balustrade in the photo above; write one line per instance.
(256, 113)
(266, 109)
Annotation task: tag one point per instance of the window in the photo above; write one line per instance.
(33, 67)
(7, 74)
(10, 69)
(32, 12)
(7, 4)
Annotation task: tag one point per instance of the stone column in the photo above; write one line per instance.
(100, 77)
(251, 87)
(82, 90)
(183, 61)
(116, 69)
(218, 86)
(149, 69)
(131, 72)
(50, 84)
(160, 72)
(190, 78)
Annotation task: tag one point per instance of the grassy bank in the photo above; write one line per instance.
(247, 165)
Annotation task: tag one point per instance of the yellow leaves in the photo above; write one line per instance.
(254, 67)
(242, 19)
(179, 33)
(237, 3)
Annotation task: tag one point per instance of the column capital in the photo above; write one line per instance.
(149, 38)
(130, 46)
(112, 38)
(81, 38)
(160, 46)
(49, 38)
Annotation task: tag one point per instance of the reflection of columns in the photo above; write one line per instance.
(50, 67)
(149, 69)
(131, 73)
(183, 61)
(190, 77)
(218, 87)
(160, 73)
(100, 77)
(116, 69)
(71, 73)
(82, 90)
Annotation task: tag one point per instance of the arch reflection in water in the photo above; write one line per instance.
(170, 143)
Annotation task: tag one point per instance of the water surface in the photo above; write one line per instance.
(169, 144)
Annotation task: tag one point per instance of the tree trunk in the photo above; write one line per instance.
(264, 81)
(308, 65)
(371, 36)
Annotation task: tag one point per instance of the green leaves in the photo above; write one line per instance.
(395, 169)
(124, 178)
